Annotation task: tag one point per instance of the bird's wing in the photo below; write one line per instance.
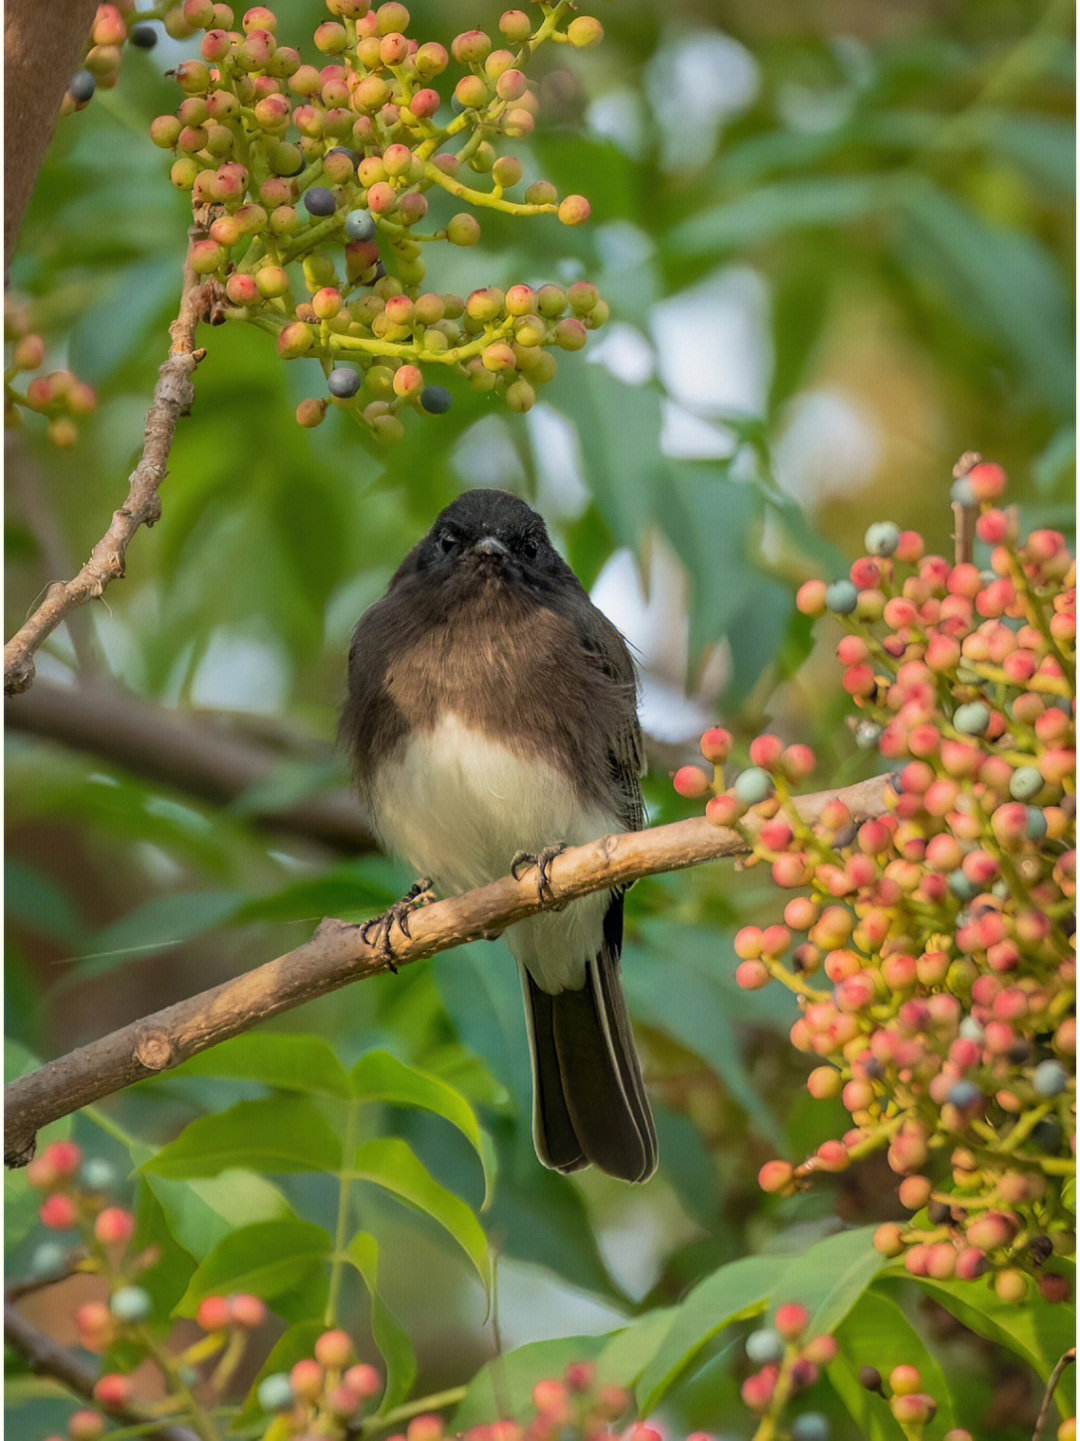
(626, 752)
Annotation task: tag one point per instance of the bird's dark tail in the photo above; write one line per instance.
(589, 1101)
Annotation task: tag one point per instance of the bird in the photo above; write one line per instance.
(491, 720)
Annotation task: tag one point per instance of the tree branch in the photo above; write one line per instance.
(338, 955)
(181, 751)
(46, 1357)
(173, 396)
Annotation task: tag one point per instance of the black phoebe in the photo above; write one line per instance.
(492, 714)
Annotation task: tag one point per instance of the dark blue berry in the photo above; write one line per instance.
(82, 86)
(436, 399)
(360, 225)
(144, 36)
(320, 201)
(344, 381)
(354, 155)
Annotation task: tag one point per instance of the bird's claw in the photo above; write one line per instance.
(542, 859)
(378, 931)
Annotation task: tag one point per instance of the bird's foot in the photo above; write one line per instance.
(378, 932)
(542, 859)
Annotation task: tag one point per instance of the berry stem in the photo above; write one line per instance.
(486, 197)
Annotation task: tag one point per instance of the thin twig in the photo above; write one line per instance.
(964, 516)
(173, 396)
(1051, 1386)
(338, 955)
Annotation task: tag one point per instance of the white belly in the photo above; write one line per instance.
(457, 805)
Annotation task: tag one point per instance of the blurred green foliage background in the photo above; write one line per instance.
(837, 240)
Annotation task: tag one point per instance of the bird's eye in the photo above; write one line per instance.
(529, 549)
(446, 541)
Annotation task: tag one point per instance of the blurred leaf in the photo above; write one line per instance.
(737, 1291)
(504, 1387)
(393, 1343)
(391, 1164)
(290, 782)
(1035, 1330)
(379, 1076)
(148, 293)
(830, 1277)
(264, 1258)
(290, 1062)
(161, 923)
(1028, 317)
(286, 1133)
(780, 209)
(701, 1011)
(617, 427)
(34, 901)
(876, 1333)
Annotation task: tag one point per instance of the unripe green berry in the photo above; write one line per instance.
(463, 229)
(131, 1303)
(515, 25)
(295, 339)
(584, 31)
(165, 131)
(541, 192)
(272, 281)
(520, 396)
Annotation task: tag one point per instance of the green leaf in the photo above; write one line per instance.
(628, 1352)
(504, 1386)
(1035, 1330)
(379, 1076)
(394, 1166)
(738, 1290)
(618, 428)
(876, 1333)
(161, 923)
(32, 900)
(830, 1277)
(278, 1135)
(201, 1211)
(703, 1011)
(392, 1341)
(289, 1062)
(776, 210)
(1029, 315)
(265, 1258)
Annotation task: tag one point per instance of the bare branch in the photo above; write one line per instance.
(338, 955)
(182, 750)
(173, 395)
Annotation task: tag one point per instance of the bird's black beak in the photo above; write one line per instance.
(490, 547)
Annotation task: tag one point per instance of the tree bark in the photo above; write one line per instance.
(43, 47)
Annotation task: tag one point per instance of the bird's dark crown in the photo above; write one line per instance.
(488, 516)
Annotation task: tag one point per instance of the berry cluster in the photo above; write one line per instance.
(77, 1192)
(943, 927)
(319, 175)
(115, 25)
(323, 1395)
(60, 395)
(912, 1407)
(790, 1363)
